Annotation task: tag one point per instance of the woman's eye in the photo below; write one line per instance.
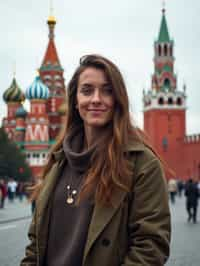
(107, 90)
(86, 91)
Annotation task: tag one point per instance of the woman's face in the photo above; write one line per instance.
(95, 100)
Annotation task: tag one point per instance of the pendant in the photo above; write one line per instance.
(70, 200)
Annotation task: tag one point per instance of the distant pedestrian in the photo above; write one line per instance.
(172, 188)
(192, 195)
(20, 191)
(12, 187)
(3, 192)
(180, 187)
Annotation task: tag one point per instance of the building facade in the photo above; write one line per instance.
(36, 131)
(164, 107)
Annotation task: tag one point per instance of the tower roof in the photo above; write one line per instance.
(21, 112)
(13, 93)
(37, 90)
(164, 33)
(51, 60)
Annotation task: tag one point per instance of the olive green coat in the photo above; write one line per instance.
(135, 231)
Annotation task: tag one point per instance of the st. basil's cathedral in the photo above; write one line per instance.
(36, 131)
(164, 107)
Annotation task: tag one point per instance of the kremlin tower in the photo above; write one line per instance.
(165, 112)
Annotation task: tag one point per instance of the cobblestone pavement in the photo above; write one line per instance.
(13, 241)
(185, 237)
(16, 210)
(13, 235)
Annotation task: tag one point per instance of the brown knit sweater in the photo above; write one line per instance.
(69, 223)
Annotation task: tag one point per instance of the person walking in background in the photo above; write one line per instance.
(180, 187)
(3, 191)
(172, 188)
(97, 203)
(12, 187)
(192, 195)
(20, 190)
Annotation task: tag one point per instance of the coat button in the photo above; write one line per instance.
(105, 242)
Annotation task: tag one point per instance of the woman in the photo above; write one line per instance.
(103, 200)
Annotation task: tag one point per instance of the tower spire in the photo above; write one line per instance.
(51, 21)
(164, 33)
(163, 6)
(14, 69)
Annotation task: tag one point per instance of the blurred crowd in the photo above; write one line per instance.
(191, 190)
(12, 190)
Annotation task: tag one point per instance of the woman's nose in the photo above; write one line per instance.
(96, 97)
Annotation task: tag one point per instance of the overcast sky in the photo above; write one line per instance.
(122, 30)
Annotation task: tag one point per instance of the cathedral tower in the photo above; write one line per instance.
(13, 97)
(51, 73)
(36, 143)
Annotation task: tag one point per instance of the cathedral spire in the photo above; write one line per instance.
(51, 60)
(51, 21)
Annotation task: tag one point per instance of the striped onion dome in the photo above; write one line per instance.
(21, 112)
(37, 90)
(13, 93)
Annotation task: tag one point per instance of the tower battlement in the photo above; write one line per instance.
(195, 138)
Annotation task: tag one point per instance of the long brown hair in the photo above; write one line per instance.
(110, 164)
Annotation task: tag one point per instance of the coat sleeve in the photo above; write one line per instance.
(30, 258)
(149, 223)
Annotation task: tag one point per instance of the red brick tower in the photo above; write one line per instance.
(51, 73)
(164, 104)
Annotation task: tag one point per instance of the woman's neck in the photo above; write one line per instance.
(92, 135)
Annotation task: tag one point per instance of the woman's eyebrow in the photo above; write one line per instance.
(91, 85)
(86, 84)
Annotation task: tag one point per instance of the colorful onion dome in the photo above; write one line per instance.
(21, 112)
(13, 93)
(37, 90)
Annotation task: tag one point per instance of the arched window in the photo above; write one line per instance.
(165, 50)
(159, 50)
(161, 101)
(170, 101)
(179, 101)
(166, 83)
(171, 50)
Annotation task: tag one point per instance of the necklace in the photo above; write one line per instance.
(71, 193)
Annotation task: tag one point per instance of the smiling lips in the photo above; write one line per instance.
(96, 112)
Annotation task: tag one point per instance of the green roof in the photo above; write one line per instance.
(164, 33)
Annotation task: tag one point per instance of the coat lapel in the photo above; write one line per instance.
(101, 217)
